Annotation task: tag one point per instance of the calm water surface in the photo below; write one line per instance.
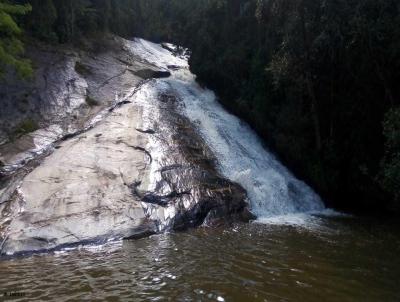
(320, 259)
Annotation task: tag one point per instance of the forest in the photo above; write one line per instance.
(317, 79)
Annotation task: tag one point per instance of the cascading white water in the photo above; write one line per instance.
(242, 158)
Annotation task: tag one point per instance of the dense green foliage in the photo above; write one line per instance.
(11, 47)
(68, 21)
(318, 79)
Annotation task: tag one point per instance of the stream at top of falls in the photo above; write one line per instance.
(296, 250)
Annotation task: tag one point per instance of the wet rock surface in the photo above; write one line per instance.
(79, 193)
(128, 165)
(70, 92)
(186, 189)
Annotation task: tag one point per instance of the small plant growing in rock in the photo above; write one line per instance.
(91, 101)
(25, 127)
(82, 69)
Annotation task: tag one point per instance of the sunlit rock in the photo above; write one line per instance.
(134, 168)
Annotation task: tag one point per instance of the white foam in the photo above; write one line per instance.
(155, 54)
(272, 189)
(311, 221)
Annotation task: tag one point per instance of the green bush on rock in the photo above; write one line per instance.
(25, 127)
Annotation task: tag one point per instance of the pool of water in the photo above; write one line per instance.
(303, 259)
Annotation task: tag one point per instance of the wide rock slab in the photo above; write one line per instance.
(80, 192)
(141, 169)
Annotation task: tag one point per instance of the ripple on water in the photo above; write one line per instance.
(355, 261)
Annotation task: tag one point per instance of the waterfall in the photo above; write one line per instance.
(242, 157)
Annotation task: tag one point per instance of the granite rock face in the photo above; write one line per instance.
(71, 90)
(113, 157)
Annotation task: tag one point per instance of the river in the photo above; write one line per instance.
(296, 249)
(322, 259)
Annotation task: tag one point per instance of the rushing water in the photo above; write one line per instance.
(242, 158)
(296, 251)
(328, 259)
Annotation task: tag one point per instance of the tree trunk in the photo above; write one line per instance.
(309, 82)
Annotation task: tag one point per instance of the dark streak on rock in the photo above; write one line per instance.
(149, 73)
(147, 131)
(174, 67)
(153, 198)
(110, 79)
(163, 200)
(170, 167)
(134, 188)
(136, 148)
(119, 104)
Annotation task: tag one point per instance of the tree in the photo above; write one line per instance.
(42, 19)
(11, 47)
(390, 166)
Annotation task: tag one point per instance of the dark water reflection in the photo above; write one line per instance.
(341, 259)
